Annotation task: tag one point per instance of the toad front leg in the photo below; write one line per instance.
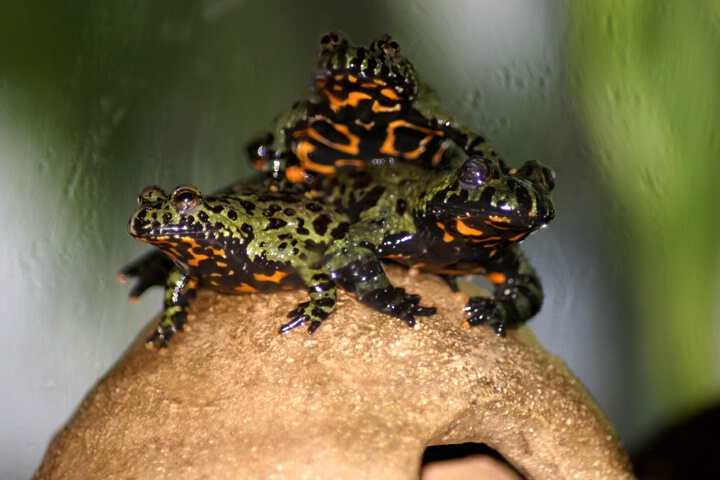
(180, 289)
(322, 302)
(518, 295)
(149, 270)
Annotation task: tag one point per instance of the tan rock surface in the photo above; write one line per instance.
(362, 398)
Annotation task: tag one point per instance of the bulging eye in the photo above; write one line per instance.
(536, 172)
(330, 40)
(474, 172)
(151, 194)
(391, 48)
(185, 199)
(549, 177)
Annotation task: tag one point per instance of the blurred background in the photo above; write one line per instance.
(99, 99)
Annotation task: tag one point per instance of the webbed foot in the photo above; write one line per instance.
(485, 311)
(173, 321)
(397, 303)
(305, 312)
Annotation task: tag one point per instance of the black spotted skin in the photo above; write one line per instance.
(366, 105)
(461, 221)
(371, 148)
(153, 268)
(245, 241)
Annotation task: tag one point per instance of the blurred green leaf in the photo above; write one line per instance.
(647, 77)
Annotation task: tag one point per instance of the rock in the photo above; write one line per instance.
(361, 398)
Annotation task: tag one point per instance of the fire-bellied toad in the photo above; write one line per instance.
(244, 242)
(366, 105)
(459, 221)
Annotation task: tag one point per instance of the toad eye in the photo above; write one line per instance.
(151, 194)
(474, 172)
(391, 48)
(331, 41)
(185, 199)
(328, 41)
(548, 176)
(535, 172)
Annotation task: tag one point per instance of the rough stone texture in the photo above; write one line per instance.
(362, 398)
